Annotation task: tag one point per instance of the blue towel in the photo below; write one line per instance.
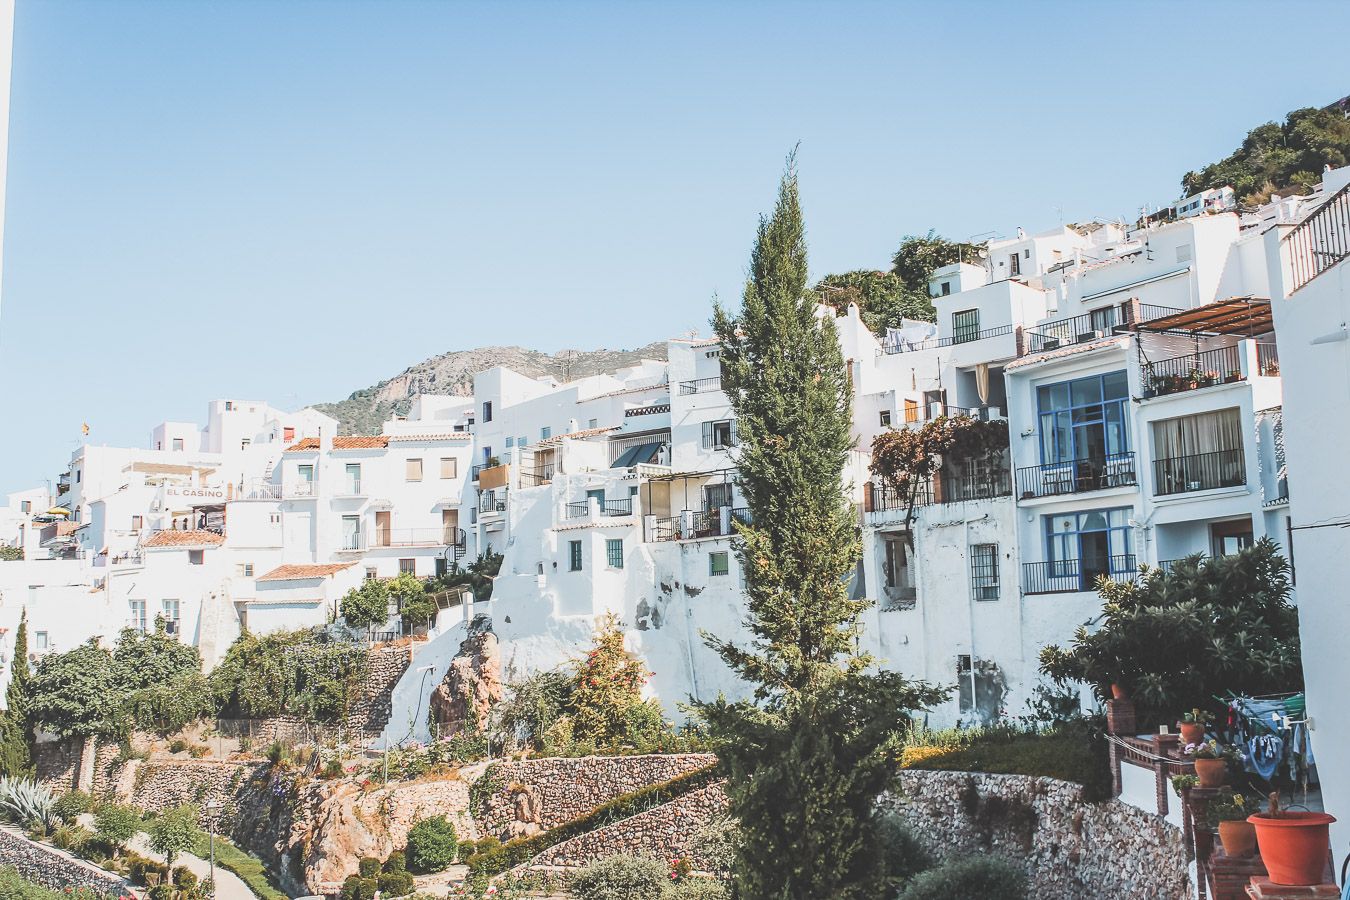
(1264, 753)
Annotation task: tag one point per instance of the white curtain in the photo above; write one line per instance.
(1192, 435)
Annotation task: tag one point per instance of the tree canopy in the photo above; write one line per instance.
(1279, 157)
(16, 725)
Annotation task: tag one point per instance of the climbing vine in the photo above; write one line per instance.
(906, 459)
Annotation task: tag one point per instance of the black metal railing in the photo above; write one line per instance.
(622, 507)
(705, 523)
(743, 515)
(1267, 359)
(1189, 371)
(701, 385)
(883, 497)
(1320, 241)
(1077, 476)
(655, 409)
(1089, 327)
(537, 476)
(578, 509)
(490, 502)
(1199, 472)
(958, 488)
(961, 337)
(664, 529)
(1072, 575)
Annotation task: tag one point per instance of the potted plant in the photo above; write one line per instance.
(1211, 762)
(1192, 726)
(1294, 845)
(1182, 783)
(1235, 832)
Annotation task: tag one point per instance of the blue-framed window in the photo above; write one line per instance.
(574, 556)
(1091, 543)
(1087, 418)
(614, 552)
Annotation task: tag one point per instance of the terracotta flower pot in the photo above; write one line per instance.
(1238, 837)
(1294, 846)
(1192, 732)
(1211, 772)
(1119, 693)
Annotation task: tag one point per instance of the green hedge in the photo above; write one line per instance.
(1070, 753)
(498, 859)
(249, 868)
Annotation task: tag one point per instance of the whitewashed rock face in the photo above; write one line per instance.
(472, 684)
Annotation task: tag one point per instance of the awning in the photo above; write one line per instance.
(58, 511)
(1249, 316)
(633, 456)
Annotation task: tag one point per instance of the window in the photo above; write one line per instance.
(574, 556)
(1199, 452)
(407, 567)
(40, 641)
(353, 484)
(719, 563)
(171, 609)
(229, 405)
(196, 557)
(719, 435)
(351, 533)
(592, 423)
(545, 433)
(1014, 265)
(136, 523)
(1227, 538)
(965, 326)
(946, 288)
(372, 573)
(77, 476)
(911, 410)
(306, 473)
(712, 354)
(274, 518)
(288, 433)
(177, 445)
(246, 570)
(614, 552)
(487, 411)
(413, 470)
(1086, 545)
(521, 441)
(984, 571)
(716, 496)
(243, 444)
(26, 506)
(449, 467)
(137, 614)
(510, 442)
(1084, 419)
(885, 418)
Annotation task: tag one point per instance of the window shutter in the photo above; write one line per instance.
(707, 435)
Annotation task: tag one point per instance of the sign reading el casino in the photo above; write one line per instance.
(205, 494)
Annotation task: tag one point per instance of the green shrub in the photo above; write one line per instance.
(985, 877)
(622, 878)
(697, 889)
(333, 769)
(395, 884)
(397, 862)
(431, 845)
(71, 804)
(466, 849)
(162, 892)
(13, 886)
(184, 878)
(178, 745)
(358, 888)
(116, 824)
(904, 856)
(368, 867)
(72, 837)
(138, 867)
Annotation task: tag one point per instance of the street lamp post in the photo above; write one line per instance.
(212, 807)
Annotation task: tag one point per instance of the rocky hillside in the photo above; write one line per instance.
(452, 373)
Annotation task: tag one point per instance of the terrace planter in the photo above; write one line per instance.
(1294, 845)
(1211, 772)
(1238, 837)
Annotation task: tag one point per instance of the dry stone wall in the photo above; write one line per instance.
(161, 785)
(565, 789)
(663, 833)
(371, 713)
(1071, 850)
(55, 869)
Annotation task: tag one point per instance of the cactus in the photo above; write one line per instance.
(25, 802)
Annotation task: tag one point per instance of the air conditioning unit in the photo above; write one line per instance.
(1086, 336)
(1050, 344)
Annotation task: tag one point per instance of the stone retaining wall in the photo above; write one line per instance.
(55, 869)
(568, 788)
(1071, 850)
(164, 784)
(663, 833)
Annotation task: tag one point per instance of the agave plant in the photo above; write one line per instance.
(25, 802)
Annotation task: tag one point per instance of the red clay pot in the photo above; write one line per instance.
(1238, 837)
(1211, 772)
(1294, 846)
(1192, 732)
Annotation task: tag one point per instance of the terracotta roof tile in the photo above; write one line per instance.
(584, 433)
(297, 572)
(171, 538)
(350, 442)
(1072, 350)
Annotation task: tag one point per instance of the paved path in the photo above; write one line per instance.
(229, 886)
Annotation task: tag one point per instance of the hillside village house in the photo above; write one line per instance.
(1136, 368)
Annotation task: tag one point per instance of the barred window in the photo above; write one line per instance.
(574, 556)
(719, 563)
(984, 571)
(614, 552)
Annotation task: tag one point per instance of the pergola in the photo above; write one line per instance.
(1245, 316)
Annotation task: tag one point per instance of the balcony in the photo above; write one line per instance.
(300, 489)
(350, 488)
(1074, 575)
(1089, 327)
(1199, 472)
(577, 510)
(961, 337)
(1077, 476)
(950, 489)
(542, 474)
(1320, 241)
(701, 386)
(490, 504)
(693, 525)
(62, 483)
(1190, 371)
(622, 507)
(409, 537)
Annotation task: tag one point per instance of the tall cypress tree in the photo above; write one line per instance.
(16, 728)
(808, 756)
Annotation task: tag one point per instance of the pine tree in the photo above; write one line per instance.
(16, 730)
(808, 756)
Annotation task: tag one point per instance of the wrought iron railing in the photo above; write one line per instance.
(578, 509)
(622, 507)
(654, 409)
(743, 515)
(1071, 575)
(1077, 476)
(490, 502)
(1267, 359)
(1320, 241)
(962, 337)
(701, 385)
(1088, 326)
(957, 488)
(665, 528)
(537, 476)
(883, 497)
(1199, 472)
(1189, 371)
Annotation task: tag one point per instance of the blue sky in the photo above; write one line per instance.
(289, 201)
